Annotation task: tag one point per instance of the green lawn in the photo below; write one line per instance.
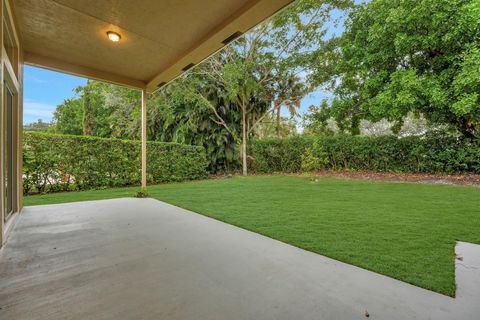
(406, 231)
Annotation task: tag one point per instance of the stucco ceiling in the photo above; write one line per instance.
(159, 37)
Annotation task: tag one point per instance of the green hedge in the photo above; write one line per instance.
(62, 162)
(427, 154)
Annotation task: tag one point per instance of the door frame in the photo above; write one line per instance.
(11, 74)
(9, 146)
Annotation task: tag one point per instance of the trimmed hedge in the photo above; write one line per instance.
(426, 154)
(62, 162)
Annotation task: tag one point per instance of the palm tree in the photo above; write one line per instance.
(289, 91)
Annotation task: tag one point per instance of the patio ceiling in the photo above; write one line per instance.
(160, 38)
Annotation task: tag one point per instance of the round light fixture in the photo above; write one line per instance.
(113, 36)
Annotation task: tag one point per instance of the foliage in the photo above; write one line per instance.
(316, 120)
(68, 117)
(432, 153)
(183, 113)
(37, 126)
(97, 113)
(289, 92)
(63, 163)
(142, 193)
(314, 158)
(271, 126)
(408, 56)
(278, 155)
(259, 73)
(101, 110)
(220, 103)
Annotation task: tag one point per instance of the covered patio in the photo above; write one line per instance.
(142, 258)
(145, 259)
(142, 45)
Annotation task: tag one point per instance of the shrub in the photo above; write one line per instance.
(278, 154)
(62, 162)
(314, 158)
(142, 193)
(426, 154)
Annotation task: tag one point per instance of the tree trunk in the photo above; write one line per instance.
(277, 108)
(244, 141)
(87, 115)
(467, 128)
(355, 125)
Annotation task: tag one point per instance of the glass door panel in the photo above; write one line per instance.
(8, 153)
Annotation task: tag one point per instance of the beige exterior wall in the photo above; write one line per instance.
(11, 71)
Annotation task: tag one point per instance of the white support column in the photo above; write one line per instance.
(144, 138)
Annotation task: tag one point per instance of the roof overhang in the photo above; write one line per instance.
(160, 38)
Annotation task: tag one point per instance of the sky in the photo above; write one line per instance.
(44, 90)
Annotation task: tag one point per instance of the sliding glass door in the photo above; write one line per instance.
(8, 151)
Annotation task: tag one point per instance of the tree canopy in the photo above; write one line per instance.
(408, 56)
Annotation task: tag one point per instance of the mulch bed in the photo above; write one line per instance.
(460, 179)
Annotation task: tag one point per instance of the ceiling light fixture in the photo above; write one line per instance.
(113, 36)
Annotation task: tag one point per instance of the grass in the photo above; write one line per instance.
(403, 230)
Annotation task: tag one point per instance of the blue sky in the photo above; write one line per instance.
(44, 90)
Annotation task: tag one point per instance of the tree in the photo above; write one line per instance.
(269, 127)
(38, 126)
(68, 117)
(183, 112)
(121, 112)
(95, 112)
(408, 56)
(221, 103)
(317, 120)
(289, 92)
(254, 73)
(100, 109)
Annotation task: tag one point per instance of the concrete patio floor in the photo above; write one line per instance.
(144, 259)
